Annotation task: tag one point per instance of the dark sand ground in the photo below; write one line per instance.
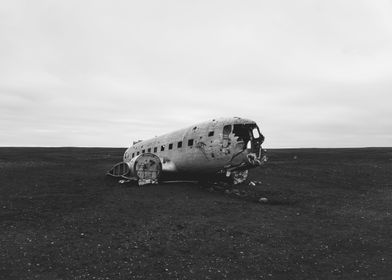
(329, 216)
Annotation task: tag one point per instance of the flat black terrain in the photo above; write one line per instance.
(328, 216)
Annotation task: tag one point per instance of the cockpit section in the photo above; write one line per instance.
(249, 135)
(244, 140)
(247, 132)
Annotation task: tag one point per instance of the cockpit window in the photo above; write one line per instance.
(246, 132)
(226, 134)
(242, 131)
(255, 133)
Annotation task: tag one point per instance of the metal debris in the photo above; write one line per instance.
(239, 176)
(263, 200)
(143, 182)
(124, 181)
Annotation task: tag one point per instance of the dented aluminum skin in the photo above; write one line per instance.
(220, 146)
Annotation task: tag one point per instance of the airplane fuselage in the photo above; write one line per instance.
(217, 146)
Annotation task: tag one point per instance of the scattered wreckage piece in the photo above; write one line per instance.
(263, 200)
(248, 191)
(122, 181)
(120, 170)
(254, 183)
(239, 177)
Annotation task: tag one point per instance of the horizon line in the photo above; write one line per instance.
(274, 148)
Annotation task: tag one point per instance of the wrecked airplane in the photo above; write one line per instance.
(220, 150)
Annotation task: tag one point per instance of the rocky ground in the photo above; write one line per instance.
(327, 215)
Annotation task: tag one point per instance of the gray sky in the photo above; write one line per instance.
(105, 73)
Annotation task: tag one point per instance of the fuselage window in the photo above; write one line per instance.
(155, 149)
(190, 142)
(226, 130)
(133, 155)
(149, 150)
(162, 148)
(210, 134)
(226, 134)
(179, 144)
(138, 153)
(143, 151)
(170, 146)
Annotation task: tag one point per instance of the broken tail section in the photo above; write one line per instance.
(145, 169)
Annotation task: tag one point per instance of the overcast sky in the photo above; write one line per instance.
(105, 73)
